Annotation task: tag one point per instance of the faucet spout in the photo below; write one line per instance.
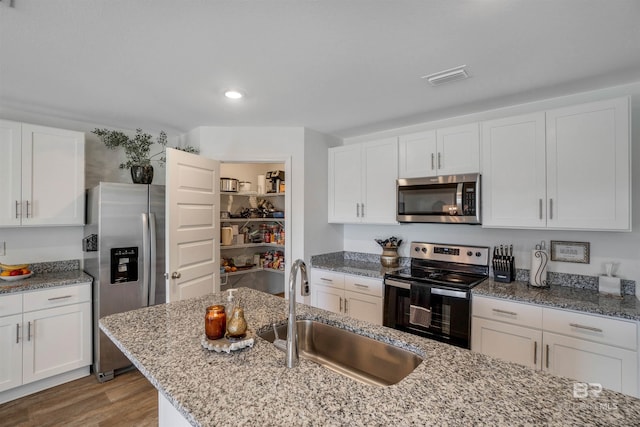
(292, 331)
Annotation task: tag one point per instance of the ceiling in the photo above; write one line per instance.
(344, 67)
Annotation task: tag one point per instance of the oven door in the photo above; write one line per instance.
(450, 312)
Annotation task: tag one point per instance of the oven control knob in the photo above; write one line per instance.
(417, 249)
(478, 254)
(424, 250)
(469, 253)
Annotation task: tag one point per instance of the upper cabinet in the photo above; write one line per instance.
(362, 182)
(447, 151)
(567, 168)
(41, 175)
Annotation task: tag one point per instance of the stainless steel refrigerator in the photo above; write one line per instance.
(124, 251)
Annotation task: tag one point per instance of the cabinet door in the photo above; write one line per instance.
(363, 307)
(614, 368)
(10, 173)
(507, 342)
(514, 172)
(56, 340)
(458, 150)
(588, 166)
(417, 155)
(52, 176)
(327, 298)
(379, 181)
(345, 183)
(10, 351)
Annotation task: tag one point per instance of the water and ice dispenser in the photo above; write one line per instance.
(124, 265)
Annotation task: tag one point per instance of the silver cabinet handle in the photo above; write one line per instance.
(324, 279)
(588, 328)
(358, 210)
(340, 304)
(550, 208)
(176, 275)
(547, 362)
(57, 298)
(17, 333)
(535, 352)
(29, 331)
(17, 211)
(439, 160)
(362, 210)
(346, 310)
(27, 202)
(540, 203)
(361, 286)
(511, 313)
(433, 165)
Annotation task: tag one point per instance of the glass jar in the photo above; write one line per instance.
(215, 322)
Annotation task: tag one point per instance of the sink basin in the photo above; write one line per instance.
(352, 355)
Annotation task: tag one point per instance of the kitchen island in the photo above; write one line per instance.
(252, 386)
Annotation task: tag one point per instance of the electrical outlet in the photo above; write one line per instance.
(3, 248)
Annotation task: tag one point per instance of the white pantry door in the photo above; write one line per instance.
(193, 223)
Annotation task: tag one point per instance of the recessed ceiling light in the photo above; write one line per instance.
(233, 94)
(446, 76)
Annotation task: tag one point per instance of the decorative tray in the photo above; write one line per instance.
(228, 344)
(13, 278)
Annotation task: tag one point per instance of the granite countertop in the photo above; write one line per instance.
(252, 386)
(566, 297)
(356, 263)
(45, 280)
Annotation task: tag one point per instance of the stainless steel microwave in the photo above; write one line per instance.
(444, 199)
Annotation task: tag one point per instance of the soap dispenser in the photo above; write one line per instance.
(230, 302)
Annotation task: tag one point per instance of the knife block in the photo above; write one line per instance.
(504, 268)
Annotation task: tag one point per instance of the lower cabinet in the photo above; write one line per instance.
(46, 340)
(355, 296)
(587, 348)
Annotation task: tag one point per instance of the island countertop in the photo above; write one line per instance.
(252, 386)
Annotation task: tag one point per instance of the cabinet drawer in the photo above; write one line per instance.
(507, 311)
(55, 297)
(363, 285)
(327, 278)
(10, 304)
(615, 332)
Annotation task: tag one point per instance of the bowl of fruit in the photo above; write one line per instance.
(14, 272)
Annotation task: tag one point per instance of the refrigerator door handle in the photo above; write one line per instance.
(146, 258)
(152, 258)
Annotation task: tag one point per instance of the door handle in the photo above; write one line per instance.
(29, 331)
(28, 209)
(358, 210)
(433, 165)
(176, 275)
(547, 362)
(550, 208)
(17, 333)
(535, 352)
(340, 304)
(17, 212)
(439, 160)
(362, 210)
(540, 203)
(345, 306)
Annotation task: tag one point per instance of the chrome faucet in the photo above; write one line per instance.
(292, 331)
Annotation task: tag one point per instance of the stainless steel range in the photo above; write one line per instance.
(432, 298)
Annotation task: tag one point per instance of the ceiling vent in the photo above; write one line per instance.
(446, 76)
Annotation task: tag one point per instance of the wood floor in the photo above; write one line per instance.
(127, 400)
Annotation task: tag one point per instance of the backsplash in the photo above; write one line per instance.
(55, 266)
(561, 279)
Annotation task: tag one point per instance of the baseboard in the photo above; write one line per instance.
(34, 387)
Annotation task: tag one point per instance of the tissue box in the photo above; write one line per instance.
(609, 285)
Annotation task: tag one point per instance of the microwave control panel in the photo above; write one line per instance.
(469, 198)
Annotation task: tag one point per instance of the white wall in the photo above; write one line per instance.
(620, 247)
(39, 244)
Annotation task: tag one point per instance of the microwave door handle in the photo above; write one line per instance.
(459, 198)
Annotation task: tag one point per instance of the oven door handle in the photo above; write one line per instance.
(397, 283)
(449, 293)
(459, 199)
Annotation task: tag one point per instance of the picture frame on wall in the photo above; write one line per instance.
(577, 252)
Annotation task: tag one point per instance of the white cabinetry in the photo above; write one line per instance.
(567, 168)
(41, 175)
(46, 340)
(362, 182)
(447, 151)
(583, 347)
(355, 296)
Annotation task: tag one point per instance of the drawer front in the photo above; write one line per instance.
(55, 297)
(363, 285)
(10, 304)
(327, 278)
(604, 330)
(507, 311)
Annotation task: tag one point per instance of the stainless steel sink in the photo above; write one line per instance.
(352, 355)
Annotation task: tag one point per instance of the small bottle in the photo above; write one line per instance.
(215, 322)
